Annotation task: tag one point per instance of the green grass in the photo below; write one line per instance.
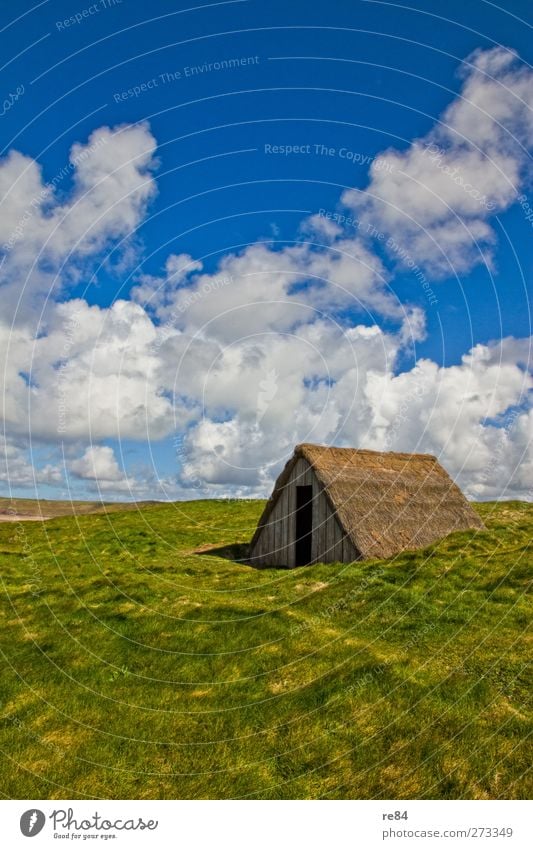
(137, 668)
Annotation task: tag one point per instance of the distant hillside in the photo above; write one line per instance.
(47, 509)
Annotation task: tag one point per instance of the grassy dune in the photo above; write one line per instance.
(31, 508)
(136, 667)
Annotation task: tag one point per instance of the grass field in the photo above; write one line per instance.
(30, 508)
(135, 667)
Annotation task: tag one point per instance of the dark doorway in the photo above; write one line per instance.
(304, 525)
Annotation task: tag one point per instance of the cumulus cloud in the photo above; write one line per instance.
(243, 404)
(92, 374)
(99, 464)
(275, 345)
(456, 412)
(99, 467)
(262, 288)
(50, 227)
(460, 413)
(438, 195)
(17, 469)
(99, 470)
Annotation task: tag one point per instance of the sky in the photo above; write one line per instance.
(229, 228)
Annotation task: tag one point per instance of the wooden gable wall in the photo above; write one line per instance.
(275, 544)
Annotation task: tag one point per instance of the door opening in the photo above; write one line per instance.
(304, 525)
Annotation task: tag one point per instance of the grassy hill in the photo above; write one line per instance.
(136, 667)
(31, 508)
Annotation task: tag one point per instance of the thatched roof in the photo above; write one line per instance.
(385, 502)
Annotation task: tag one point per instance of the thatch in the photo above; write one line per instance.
(385, 502)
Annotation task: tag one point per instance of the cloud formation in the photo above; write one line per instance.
(438, 194)
(49, 229)
(275, 345)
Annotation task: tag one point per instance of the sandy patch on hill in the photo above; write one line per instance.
(15, 517)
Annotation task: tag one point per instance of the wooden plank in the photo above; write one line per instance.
(291, 558)
(288, 519)
(334, 536)
(349, 553)
(338, 548)
(324, 534)
(291, 503)
(279, 529)
(313, 512)
(276, 535)
(320, 527)
(284, 543)
(316, 521)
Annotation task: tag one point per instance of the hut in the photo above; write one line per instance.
(343, 504)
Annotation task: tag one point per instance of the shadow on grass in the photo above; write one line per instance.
(238, 552)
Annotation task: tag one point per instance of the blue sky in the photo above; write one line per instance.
(347, 87)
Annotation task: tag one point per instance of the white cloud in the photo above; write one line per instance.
(92, 375)
(48, 231)
(457, 412)
(17, 470)
(275, 346)
(263, 289)
(98, 463)
(98, 467)
(437, 195)
(157, 292)
(324, 382)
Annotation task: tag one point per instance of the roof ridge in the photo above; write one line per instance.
(302, 447)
